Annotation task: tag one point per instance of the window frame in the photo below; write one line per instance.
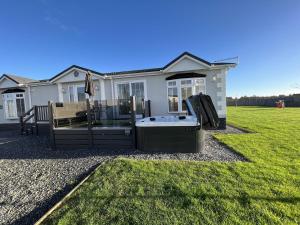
(13, 97)
(116, 88)
(130, 88)
(75, 93)
(178, 85)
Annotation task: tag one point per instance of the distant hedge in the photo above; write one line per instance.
(290, 101)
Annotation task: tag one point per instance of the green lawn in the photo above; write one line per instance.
(263, 191)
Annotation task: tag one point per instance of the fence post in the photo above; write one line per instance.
(149, 108)
(133, 118)
(51, 125)
(36, 120)
(89, 118)
(143, 108)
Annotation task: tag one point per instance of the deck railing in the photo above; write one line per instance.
(113, 113)
(29, 120)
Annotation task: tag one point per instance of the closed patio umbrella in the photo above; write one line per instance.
(89, 86)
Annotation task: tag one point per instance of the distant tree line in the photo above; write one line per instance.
(290, 101)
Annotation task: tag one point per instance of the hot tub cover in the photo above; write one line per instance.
(203, 108)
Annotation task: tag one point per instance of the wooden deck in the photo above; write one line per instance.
(98, 137)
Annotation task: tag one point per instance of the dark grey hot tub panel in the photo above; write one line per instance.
(170, 139)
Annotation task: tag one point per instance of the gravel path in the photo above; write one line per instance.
(33, 178)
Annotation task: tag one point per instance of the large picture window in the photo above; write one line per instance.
(14, 105)
(181, 89)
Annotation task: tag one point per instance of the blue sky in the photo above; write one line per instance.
(40, 38)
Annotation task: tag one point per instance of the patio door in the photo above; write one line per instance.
(127, 89)
(137, 89)
(123, 97)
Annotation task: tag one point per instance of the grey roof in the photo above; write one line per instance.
(135, 71)
(170, 63)
(18, 79)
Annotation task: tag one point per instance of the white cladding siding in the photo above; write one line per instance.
(216, 89)
(156, 87)
(40, 95)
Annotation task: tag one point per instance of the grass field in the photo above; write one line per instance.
(265, 190)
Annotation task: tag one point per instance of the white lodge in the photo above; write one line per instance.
(166, 87)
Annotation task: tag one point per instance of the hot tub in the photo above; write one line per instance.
(169, 134)
(178, 133)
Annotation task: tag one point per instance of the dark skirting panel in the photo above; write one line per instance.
(170, 139)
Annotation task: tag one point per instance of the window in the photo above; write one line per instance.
(199, 86)
(137, 89)
(77, 93)
(81, 94)
(181, 89)
(14, 105)
(71, 91)
(172, 96)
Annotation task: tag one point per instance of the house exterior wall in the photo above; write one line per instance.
(40, 95)
(156, 90)
(57, 89)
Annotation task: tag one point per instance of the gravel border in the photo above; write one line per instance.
(33, 177)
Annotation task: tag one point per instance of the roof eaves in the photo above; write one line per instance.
(224, 64)
(76, 67)
(134, 71)
(7, 76)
